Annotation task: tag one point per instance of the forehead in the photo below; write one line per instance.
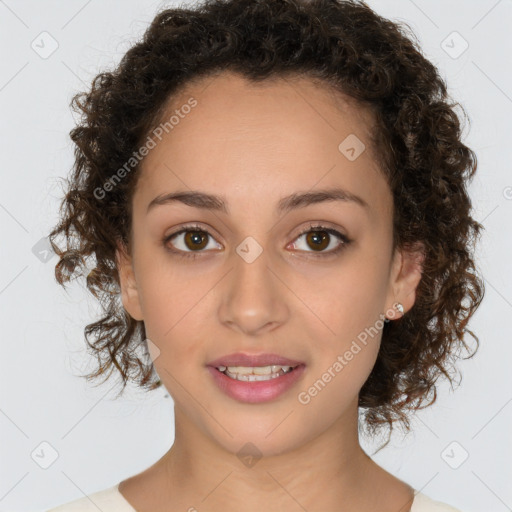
(249, 138)
(235, 104)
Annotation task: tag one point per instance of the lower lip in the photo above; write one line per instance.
(256, 392)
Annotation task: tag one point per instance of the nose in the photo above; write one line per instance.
(253, 298)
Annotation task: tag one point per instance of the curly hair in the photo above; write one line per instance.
(348, 48)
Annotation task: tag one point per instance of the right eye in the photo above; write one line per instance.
(189, 239)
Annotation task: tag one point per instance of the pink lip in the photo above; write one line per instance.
(255, 392)
(240, 359)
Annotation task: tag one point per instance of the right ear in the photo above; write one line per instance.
(129, 291)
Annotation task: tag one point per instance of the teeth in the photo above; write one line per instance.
(255, 373)
(256, 370)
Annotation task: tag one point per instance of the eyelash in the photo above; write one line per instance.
(345, 241)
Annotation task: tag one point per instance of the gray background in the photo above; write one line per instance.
(98, 441)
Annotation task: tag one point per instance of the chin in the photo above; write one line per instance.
(258, 438)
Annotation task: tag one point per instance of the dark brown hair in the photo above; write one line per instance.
(348, 48)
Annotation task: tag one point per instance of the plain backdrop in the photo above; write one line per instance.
(61, 438)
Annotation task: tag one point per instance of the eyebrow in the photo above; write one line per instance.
(294, 201)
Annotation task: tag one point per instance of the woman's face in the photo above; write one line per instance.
(251, 283)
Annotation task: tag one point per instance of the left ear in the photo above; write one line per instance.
(405, 277)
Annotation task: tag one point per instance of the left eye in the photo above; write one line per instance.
(320, 238)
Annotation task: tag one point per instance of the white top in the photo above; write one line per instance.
(111, 500)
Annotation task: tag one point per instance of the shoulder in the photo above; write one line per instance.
(422, 503)
(107, 500)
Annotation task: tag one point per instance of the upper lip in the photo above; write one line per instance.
(250, 360)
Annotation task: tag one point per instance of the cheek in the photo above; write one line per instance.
(331, 388)
(347, 299)
(174, 306)
(167, 290)
(347, 342)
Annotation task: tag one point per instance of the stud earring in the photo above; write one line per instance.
(398, 306)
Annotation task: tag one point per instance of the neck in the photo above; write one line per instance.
(330, 469)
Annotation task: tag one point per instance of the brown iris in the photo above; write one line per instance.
(193, 239)
(319, 239)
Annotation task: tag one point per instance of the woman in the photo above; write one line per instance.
(275, 196)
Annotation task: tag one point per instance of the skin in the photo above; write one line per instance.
(254, 144)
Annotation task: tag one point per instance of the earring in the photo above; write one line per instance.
(398, 306)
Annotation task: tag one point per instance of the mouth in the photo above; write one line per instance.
(255, 378)
(255, 373)
(253, 360)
